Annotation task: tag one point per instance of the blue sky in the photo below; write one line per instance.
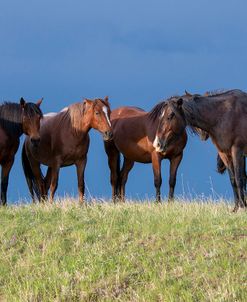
(137, 52)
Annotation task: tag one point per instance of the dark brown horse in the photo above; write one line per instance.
(64, 142)
(134, 136)
(223, 116)
(16, 119)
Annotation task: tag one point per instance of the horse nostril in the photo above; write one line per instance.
(35, 141)
(108, 135)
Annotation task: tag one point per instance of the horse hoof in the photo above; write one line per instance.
(242, 209)
(235, 209)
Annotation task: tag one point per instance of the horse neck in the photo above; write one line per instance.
(12, 125)
(76, 124)
(202, 116)
(82, 132)
(86, 126)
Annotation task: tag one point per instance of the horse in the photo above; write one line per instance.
(16, 119)
(64, 142)
(223, 116)
(134, 133)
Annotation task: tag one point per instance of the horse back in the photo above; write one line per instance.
(125, 112)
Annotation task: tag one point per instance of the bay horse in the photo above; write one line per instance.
(16, 119)
(134, 133)
(64, 142)
(223, 116)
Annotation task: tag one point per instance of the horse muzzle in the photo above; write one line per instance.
(107, 135)
(160, 145)
(35, 141)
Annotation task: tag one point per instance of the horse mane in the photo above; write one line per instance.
(155, 112)
(75, 113)
(11, 116)
(215, 92)
(220, 92)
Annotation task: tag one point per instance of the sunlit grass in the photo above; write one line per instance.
(186, 251)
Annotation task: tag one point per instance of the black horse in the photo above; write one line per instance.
(16, 119)
(223, 116)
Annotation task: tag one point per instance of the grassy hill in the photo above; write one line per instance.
(131, 252)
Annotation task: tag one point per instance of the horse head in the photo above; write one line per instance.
(97, 113)
(171, 124)
(31, 116)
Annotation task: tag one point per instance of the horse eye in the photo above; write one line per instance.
(171, 116)
(97, 112)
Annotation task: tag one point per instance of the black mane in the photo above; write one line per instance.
(31, 109)
(155, 112)
(215, 92)
(11, 116)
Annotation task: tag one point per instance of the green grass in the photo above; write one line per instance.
(131, 252)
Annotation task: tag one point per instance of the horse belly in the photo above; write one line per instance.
(135, 151)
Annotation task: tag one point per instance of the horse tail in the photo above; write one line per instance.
(28, 172)
(221, 168)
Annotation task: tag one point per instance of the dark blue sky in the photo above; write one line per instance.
(137, 52)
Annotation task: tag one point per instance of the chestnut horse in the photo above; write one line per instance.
(134, 133)
(16, 119)
(64, 142)
(223, 116)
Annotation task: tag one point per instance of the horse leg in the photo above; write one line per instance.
(6, 167)
(30, 187)
(244, 173)
(127, 166)
(234, 186)
(114, 165)
(47, 180)
(238, 164)
(54, 181)
(227, 160)
(174, 163)
(39, 180)
(80, 168)
(156, 163)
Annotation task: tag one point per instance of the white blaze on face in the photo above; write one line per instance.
(162, 114)
(155, 144)
(106, 115)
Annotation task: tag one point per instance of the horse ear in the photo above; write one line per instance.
(187, 93)
(22, 102)
(39, 102)
(86, 103)
(106, 99)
